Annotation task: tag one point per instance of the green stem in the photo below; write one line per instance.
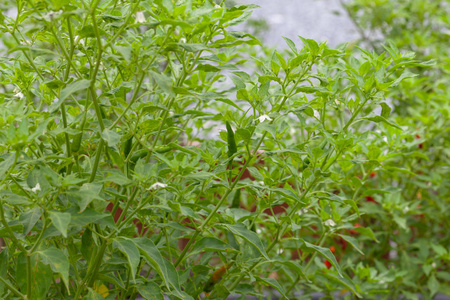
(29, 290)
(12, 288)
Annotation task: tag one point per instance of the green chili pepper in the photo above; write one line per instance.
(232, 149)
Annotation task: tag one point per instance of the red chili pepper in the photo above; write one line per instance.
(371, 199)
(354, 232)
(327, 264)
(332, 249)
(373, 174)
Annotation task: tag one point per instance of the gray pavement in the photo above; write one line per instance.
(322, 20)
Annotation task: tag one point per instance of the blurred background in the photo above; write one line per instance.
(322, 20)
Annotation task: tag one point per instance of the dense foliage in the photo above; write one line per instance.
(147, 148)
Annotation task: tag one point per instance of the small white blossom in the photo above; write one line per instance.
(433, 265)
(261, 182)
(316, 114)
(406, 209)
(337, 102)
(217, 6)
(264, 117)
(258, 231)
(81, 41)
(157, 185)
(140, 18)
(280, 251)
(19, 95)
(182, 40)
(302, 211)
(330, 223)
(36, 188)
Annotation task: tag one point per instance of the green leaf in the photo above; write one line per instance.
(93, 295)
(131, 252)
(164, 82)
(273, 283)
(291, 44)
(87, 193)
(207, 68)
(61, 221)
(433, 285)
(295, 267)
(29, 219)
(57, 261)
(348, 283)
(118, 178)
(367, 232)
(386, 110)
(13, 199)
(209, 244)
(165, 269)
(325, 252)
(150, 291)
(74, 87)
(87, 31)
(403, 76)
(352, 241)
(311, 45)
(111, 137)
(378, 119)
(6, 164)
(86, 217)
(241, 230)
(125, 52)
(54, 84)
(4, 258)
(88, 245)
(41, 276)
(245, 134)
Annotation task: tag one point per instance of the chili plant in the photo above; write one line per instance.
(143, 152)
(412, 216)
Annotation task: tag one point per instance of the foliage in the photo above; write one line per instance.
(143, 152)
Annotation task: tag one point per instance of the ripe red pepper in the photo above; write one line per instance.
(371, 199)
(327, 264)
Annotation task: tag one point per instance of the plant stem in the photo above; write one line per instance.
(12, 288)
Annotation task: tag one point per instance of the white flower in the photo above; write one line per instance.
(261, 182)
(433, 265)
(182, 40)
(157, 185)
(36, 188)
(217, 6)
(80, 40)
(330, 223)
(316, 114)
(140, 18)
(263, 118)
(19, 95)
(406, 209)
(337, 102)
(302, 211)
